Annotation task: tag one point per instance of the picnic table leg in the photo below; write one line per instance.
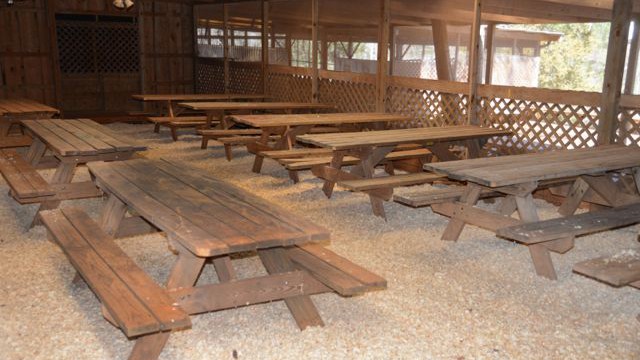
(571, 203)
(542, 261)
(336, 163)
(112, 214)
(470, 197)
(36, 151)
(508, 205)
(224, 268)
(441, 151)
(259, 159)
(63, 175)
(185, 273)
(473, 148)
(275, 260)
(369, 158)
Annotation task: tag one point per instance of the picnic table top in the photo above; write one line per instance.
(79, 137)
(24, 106)
(316, 119)
(344, 141)
(205, 215)
(520, 169)
(222, 105)
(196, 97)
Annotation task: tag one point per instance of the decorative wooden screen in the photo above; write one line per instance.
(289, 83)
(209, 76)
(629, 125)
(245, 77)
(348, 91)
(97, 44)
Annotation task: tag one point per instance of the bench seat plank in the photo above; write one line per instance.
(616, 271)
(575, 225)
(437, 196)
(390, 181)
(168, 119)
(24, 180)
(136, 303)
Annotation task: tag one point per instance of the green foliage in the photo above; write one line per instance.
(577, 60)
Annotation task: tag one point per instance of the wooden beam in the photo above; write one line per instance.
(488, 71)
(614, 70)
(314, 50)
(265, 44)
(383, 50)
(441, 47)
(632, 65)
(225, 45)
(474, 60)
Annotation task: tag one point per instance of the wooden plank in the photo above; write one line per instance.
(390, 181)
(615, 270)
(55, 143)
(118, 141)
(499, 171)
(154, 298)
(210, 106)
(22, 178)
(575, 225)
(342, 141)
(126, 309)
(82, 148)
(437, 196)
(194, 239)
(357, 272)
(317, 119)
(237, 293)
(474, 216)
(196, 97)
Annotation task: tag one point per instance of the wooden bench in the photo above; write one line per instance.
(558, 234)
(229, 142)
(574, 225)
(23, 179)
(620, 270)
(132, 300)
(215, 134)
(437, 196)
(164, 120)
(309, 163)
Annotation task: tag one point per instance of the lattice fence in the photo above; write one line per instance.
(209, 76)
(629, 126)
(539, 126)
(427, 107)
(245, 78)
(348, 96)
(289, 87)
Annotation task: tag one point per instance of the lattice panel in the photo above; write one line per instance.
(427, 107)
(629, 126)
(97, 47)
(348, 96)
(540, 126)
(209, 76)
(245, 78)
(75, 53)
(289, 87)
(117, 48)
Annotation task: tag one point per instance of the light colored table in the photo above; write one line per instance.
(12, 111)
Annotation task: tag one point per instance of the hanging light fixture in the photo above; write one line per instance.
(121, 4)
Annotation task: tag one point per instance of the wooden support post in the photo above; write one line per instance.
(488, 70)
(383, 50)
(324, 51)
(632, 66)
(265, 44)
(441, 47)
(474, 60)
(225, 45)
(392, 49)
(614, 70)
(314, 51)
(287, 45)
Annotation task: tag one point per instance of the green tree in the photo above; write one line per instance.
(577, 60)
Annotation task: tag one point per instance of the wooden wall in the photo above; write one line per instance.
(28, 53)
(26, 66)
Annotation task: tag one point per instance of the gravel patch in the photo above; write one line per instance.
(477, 298)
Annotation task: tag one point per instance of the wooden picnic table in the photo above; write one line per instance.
(218, 110)
(371, 148)
(71, 142)
(170, 99)
(12, 111)
(206, 221)
(289, 126)
(595, 174)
